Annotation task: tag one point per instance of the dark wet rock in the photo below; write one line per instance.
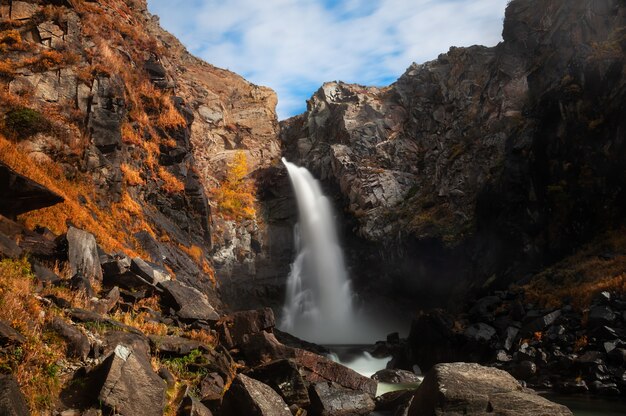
(618, 356)
(171, 345)
(211, 387)
(129, 385)
(539, 324)
(471, 389)
(109, 302)
(190, 406)
(130, 281)
(167, 376)
(19, 194)
(330, 400)
(78, 345)
(393, 400)
(8, 335)
(601, 315)
(151, 272)
(395, 376)
(234, 329)
(510, 336)
(283, 376)
(114, 265)
(263, 347)
(44, 275)
(480, 332)
(81, 283)
(483, 308)
(295, 342)
(12, 400)
(112, 338)
(248, 396)
(83, 254)
(524, 370)
(188, 302)
(8, 248)
(604, 389)
(571, 387)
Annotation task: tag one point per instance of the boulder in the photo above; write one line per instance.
(393, 400)
(112, 338)
(283, 376)
(44, 275)
(480, 332)
(330, 400)
(234, 329)
(539, 324)
(12, 401)
(601, 315)
(114, 265)
(19, 194)
(248, 396)
(8, 248)
(83, 254)
(81, 283)
(150, 272)
(396, 376)
(170, 345)
(211, 387)
(471, 389)
(8, 335)
(129, 385)
(190, 406)
(188, 302)
(78, 345)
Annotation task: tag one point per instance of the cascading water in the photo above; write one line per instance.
(318, 305)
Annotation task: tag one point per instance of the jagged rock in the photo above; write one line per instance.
(114, 265)
(480, 332)
(112, 338)
(151, 272)
(12, 400)
(190, 406)
(295, 342)
(234, 329)
(8, 248)
(283, 376)
(82, 283)
(211, 387)
(248, 396)
(167, 376)
(170, 345)
(393, 400)
(83, 254)
(509, 337)
(8, 335)
(471, 389)
(46, 276)
(19, 194)
(396, 376)
(539, 324)
(21, 10)
(329, 400)
(263, 347)
(104, 306)
(601, 315)
(77, 342)
(484, 307)
(125, 373)
(188, 302)
(130, 281)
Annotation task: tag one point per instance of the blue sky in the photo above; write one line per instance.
(294, 46)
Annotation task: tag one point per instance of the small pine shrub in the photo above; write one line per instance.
(21, 123)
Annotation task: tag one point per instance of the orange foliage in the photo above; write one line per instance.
(130, 135)
(132, 177)
(236, 197)
(169, 117)
(171, 184)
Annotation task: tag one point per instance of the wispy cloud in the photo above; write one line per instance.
(293, 46)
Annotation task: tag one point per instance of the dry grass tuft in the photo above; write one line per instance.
(132, 177)
(171, 184)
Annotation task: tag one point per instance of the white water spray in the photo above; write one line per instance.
(318, 306)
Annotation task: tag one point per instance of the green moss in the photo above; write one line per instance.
(25, 122)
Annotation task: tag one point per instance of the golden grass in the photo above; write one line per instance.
(171, 184)
(584, 275)
(236, 196)
(130, 135)
(132, 177)
(35, 362)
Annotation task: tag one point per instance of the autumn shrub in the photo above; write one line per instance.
(171, 184)
(25, 122)
(236, 196)
(7, 69)
(50, 59)
(132, 176)
(34, 363)
(10, 40)
(130, 135)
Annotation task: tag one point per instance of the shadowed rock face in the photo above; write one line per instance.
(18, 194)
(480, 165)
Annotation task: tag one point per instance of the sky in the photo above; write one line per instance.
(294, 46)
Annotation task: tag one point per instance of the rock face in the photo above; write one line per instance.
(83, 254)
(470, 389)
(464, 168)
(189, 302)
(12, 401)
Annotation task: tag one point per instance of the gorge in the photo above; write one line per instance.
(465, 223)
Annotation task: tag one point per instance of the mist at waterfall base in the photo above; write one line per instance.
(319, 305)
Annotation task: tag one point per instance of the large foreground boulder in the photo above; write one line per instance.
(248, 396)
(329, 400)
(129, 385)
(12, 401)
(471, 389)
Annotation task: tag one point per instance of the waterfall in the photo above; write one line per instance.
(318, 305)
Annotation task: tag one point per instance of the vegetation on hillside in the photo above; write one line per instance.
(236, 196)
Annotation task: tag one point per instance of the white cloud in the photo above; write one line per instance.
(293, 46)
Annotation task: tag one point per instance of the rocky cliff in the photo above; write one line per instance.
(478, 167)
